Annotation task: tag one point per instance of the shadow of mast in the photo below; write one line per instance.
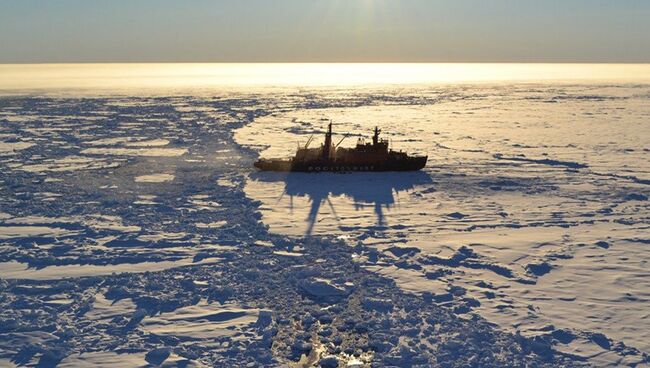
(377, 189)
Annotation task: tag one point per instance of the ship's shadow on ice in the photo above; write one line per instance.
(376, 189)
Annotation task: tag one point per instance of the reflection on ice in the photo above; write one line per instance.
(352, 191)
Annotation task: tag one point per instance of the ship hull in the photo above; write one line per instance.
(408, 164)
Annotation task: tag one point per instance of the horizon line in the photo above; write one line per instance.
(330, 62)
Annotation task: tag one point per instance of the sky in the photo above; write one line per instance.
(39, 31)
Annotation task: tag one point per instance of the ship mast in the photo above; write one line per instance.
(375, 137)
(328, 142)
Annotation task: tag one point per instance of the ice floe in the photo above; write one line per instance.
(162, 152)
(16, 270)
(154, 178)
(201, 321)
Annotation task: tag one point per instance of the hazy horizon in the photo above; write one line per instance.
(194, 76)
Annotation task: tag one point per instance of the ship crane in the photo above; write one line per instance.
(341, 141)
(311, 138)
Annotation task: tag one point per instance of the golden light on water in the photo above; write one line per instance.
(142, 76)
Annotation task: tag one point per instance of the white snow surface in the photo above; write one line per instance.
(533, 180)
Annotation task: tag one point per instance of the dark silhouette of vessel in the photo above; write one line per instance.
(375, 156)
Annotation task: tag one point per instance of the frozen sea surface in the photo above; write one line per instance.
(534, 203)
(134, 231)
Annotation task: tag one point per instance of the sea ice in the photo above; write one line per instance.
(492, 255)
